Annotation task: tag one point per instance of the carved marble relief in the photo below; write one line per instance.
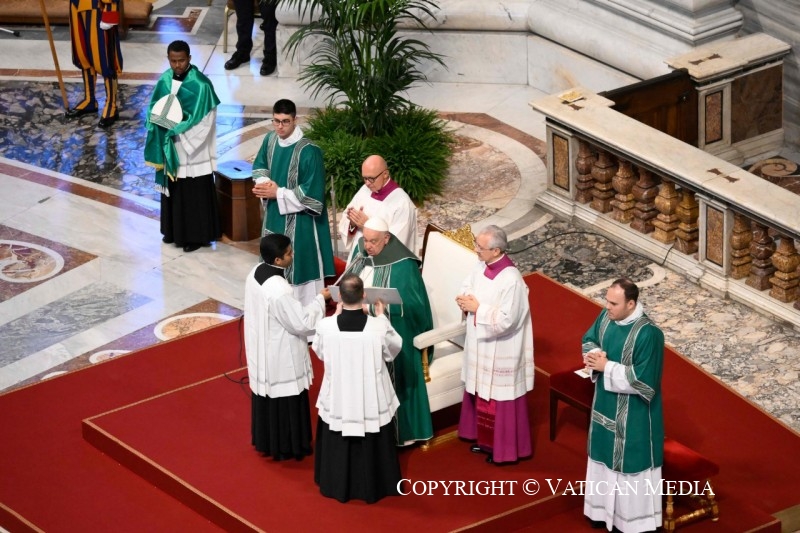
(561, 162)
(714, 117)
(715, 235)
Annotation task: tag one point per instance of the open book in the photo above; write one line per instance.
(387, 295)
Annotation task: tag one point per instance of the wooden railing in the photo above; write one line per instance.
(723, 227)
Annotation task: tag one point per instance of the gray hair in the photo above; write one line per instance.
(497, 237)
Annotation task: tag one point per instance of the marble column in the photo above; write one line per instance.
(645, 192)
(584, 182)
(741, 237)
(623, 201)
(785, 281)
(603, 172)
(687, 233)
(667, 221)
(634, 36)
(761, 249)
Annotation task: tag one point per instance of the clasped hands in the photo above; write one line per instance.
(357, 217)
(467, 303)
(595, 360)
(267, 189)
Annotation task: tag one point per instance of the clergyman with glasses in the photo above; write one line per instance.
(290, 177)
(381, 197)
(498, 353)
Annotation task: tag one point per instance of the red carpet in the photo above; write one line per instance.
(700, 411)
(185, 429)
(208, 451)
(56, 481)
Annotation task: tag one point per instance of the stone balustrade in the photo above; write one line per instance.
(721, 226)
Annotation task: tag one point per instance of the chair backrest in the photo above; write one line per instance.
(446, 262)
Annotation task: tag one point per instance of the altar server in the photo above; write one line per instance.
(276, 328)
(181, 145)
(356, 456)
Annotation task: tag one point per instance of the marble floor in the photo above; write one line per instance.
(84, 276)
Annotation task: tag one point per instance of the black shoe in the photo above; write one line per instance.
(191, 247)
(596, 524)
(270, 63)
(236, 61)
(167, 241)
(107, 121)
(75, 112)
(490, 458)
(475, 449)
(266, 70)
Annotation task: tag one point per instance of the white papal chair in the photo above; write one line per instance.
(447, 259)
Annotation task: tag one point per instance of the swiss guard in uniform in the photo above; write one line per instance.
(94, 29)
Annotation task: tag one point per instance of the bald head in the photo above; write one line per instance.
(375, 172)
(374, 164)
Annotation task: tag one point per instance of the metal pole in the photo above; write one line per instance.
(335, 225)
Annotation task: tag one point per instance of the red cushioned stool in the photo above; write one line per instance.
(684, 464)
(572, 389)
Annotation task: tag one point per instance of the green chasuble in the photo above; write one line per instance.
(397, 267)
(627, 430)
(298, 168)
(197, 98)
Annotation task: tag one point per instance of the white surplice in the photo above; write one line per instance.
(396, 209)
(357, 396)
(498, 354)
(276, 331)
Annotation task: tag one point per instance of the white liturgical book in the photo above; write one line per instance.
(582, 372)
(386, 295)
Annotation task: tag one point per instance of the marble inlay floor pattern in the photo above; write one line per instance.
(757, 357)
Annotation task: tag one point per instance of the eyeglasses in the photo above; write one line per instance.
(480, 248)
(284, 122)
(372, 179)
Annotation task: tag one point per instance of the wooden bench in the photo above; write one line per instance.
(136, 12)
(681, 463)
(571, 389)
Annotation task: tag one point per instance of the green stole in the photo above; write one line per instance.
(197, 98)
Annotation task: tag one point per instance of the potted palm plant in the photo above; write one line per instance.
(363, 67)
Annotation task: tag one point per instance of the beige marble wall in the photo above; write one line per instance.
(781, 19)
(597, 44)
